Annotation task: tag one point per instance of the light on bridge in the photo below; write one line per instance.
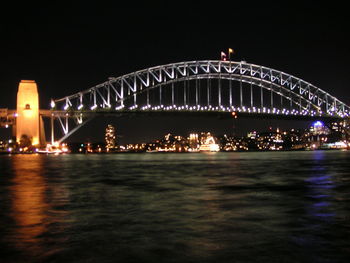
(234, 114)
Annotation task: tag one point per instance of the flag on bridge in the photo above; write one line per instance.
(223, 56)
(230, 51)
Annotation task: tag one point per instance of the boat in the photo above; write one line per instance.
(209, 145)
(51, 149)
(151, 151)
(213, 147)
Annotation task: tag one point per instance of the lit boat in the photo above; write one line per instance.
(213, 147)
(209, 145)
(52, 149)
(151, 151)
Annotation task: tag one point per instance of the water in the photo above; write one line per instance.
(220, 207)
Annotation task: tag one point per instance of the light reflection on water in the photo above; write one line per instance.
(28, 203)
(223, 207)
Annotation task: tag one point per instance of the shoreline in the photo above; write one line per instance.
(161, 152)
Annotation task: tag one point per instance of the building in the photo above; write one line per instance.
(270, 141)
(110, 138)
(193, 142)
(318, 128)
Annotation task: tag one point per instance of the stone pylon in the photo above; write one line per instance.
(28, 120)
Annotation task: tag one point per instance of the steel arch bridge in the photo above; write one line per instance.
(199, 86)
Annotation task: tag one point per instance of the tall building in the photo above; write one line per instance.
(110, 138)
(193, 142)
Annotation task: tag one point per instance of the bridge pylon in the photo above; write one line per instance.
(28, 121)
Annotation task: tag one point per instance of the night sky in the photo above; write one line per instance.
(67, 48)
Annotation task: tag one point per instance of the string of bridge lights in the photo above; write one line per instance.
(254, 110)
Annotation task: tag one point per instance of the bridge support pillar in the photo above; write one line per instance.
(52, 130)
(28, 120)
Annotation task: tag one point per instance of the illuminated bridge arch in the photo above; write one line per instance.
(209, 86)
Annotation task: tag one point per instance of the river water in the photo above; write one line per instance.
(217, 207)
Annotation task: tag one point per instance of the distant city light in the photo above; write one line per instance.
(318, 124)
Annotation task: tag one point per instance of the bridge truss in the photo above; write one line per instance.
(199, 86)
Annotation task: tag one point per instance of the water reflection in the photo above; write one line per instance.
(320, 190)
(28, 203)
(319, 209)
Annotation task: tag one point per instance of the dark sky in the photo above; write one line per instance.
(66, 48)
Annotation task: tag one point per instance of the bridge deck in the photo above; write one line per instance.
(199, 114)
(11, 114)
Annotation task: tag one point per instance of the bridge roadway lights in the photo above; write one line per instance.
(218, 114)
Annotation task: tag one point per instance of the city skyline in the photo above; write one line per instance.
(319, 136)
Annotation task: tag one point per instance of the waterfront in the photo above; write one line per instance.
(214, 207)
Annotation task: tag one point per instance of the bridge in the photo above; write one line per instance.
(224, 88)
(210, 86)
